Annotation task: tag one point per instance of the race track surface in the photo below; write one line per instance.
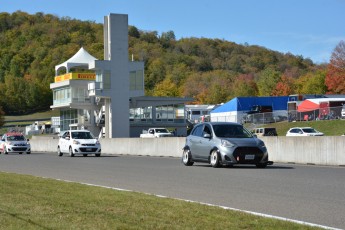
(313, 194)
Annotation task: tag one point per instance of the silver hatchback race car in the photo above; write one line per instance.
(224, 143)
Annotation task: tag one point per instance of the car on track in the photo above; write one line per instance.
(303, 131)
(78, 142)
(224, 143)
(14, 142)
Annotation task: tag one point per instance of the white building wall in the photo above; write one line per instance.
(234, 116)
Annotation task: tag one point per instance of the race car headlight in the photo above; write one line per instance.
(262, 144)
(227, 144)
(76, 142)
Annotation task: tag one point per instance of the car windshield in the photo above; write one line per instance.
(82, 135)
(231, 131)
(16, 138)
(309, 130)
(162, 131)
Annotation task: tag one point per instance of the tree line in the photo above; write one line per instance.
(209, 70)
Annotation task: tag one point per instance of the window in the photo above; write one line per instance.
(136, 80)
(104, 78)
(67, 117)
(198, 131)
(61, 96)
(207, 130)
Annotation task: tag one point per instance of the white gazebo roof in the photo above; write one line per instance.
(82, 59)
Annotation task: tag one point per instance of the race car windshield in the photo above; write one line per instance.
(82, 135)
(16, 138)
(231, 131)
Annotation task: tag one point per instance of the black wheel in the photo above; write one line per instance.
(59, 151)
(71, 154)
(97, 154)
(28, 152)
(20, 153)
(187, 158)
(5, 151)
(261, 165)
(84, 155)
(215, 159)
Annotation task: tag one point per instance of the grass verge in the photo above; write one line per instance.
(28, 202)
(40, 115)
(328, 127)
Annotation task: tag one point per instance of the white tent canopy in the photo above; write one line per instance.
(82, 59)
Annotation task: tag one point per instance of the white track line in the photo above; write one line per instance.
(223, 207)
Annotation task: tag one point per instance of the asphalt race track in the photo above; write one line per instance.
(313, 194)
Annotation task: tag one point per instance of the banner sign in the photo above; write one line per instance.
(75, 76)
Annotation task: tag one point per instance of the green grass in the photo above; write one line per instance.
(28, 202)
(328, 127)
(13, 122)
(42, 115)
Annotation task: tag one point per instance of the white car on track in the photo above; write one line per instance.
(14, 142)
(80, 142)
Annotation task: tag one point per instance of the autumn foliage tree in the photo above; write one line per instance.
(284, 86)
(211, 71)
(335, 78)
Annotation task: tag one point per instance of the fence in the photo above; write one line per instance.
(324, 113)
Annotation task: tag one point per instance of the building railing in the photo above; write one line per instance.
(157, 121)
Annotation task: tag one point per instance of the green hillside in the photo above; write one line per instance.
(209, 70)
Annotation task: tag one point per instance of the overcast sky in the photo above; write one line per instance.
(311, 28)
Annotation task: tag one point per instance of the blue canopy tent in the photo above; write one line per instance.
(234, 109)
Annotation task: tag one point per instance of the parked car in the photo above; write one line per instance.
(80, 142)
(303, 131)
(224, 143)
(156, 132)
(14, 142)
(265, 132)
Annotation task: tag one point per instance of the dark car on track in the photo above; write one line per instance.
(224, 143)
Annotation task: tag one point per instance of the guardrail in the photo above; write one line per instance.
(325, 150)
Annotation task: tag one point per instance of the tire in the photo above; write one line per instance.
(187, 158)
(261, 166)
(59, 151)
(20, 153)
(5, 151)
(84, 155)
(97, 154)
(215, 159)
(71, 154)
(28, 152)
